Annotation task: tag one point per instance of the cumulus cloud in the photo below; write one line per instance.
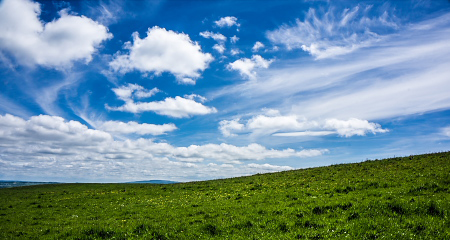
(186, 81)
(230, 153)
(329, 34)
(304, 134)
(61, 148)
(51, 129)
(227, 126)
(177, 107)
(130, 91)
(220, 170)
(54, 44)
(258, 45)
(219, 48)
(273, 123)
(196, 96)
(353, 126)
(269, 167)
(136, 128)
(216, 36)
(235, 51)
(276, 123)
(163, 51)
(234, 39)
(227, 22)
(246, 66)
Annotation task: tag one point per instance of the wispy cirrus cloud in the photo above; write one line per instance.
(8, 105)
(332, 33)
(108, 12)
(384, 81)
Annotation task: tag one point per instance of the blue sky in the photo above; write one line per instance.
(113, 91)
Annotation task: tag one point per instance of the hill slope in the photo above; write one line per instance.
(398, 198)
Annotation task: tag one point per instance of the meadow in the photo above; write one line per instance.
(397, 198)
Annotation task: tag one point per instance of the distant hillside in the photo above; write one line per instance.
(10, 184)
(397, 198)
(156, 182)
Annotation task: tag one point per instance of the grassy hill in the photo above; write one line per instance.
(398, 198)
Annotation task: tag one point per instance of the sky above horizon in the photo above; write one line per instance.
(117, 91)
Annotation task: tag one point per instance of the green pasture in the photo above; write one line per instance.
(397, 198)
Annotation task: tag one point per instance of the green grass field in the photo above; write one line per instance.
(398, 198)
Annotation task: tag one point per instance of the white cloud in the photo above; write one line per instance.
(271, 112)
(293, 126)
(136, 128)
(163, 51)
(226, 126)
(446, 131)
(231, 153)
(130, 91)
(258, 45)
(216, 36)
(54, 44)
(269, 167)
(381, 82)
(108, 12)
(262, 124)
(186, 81)
(44, 128)
(246, 66)
(61, 148)
(247, 169)
(397, 96)
(235, 51)
(234, 39)
(305, 134)
(177, 107)
(227, 22)
(353, 126)
(219, 48)
(196, 96)
(10, 106)
(11, 121)
(327, 35)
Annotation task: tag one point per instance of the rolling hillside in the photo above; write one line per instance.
(397, 198)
